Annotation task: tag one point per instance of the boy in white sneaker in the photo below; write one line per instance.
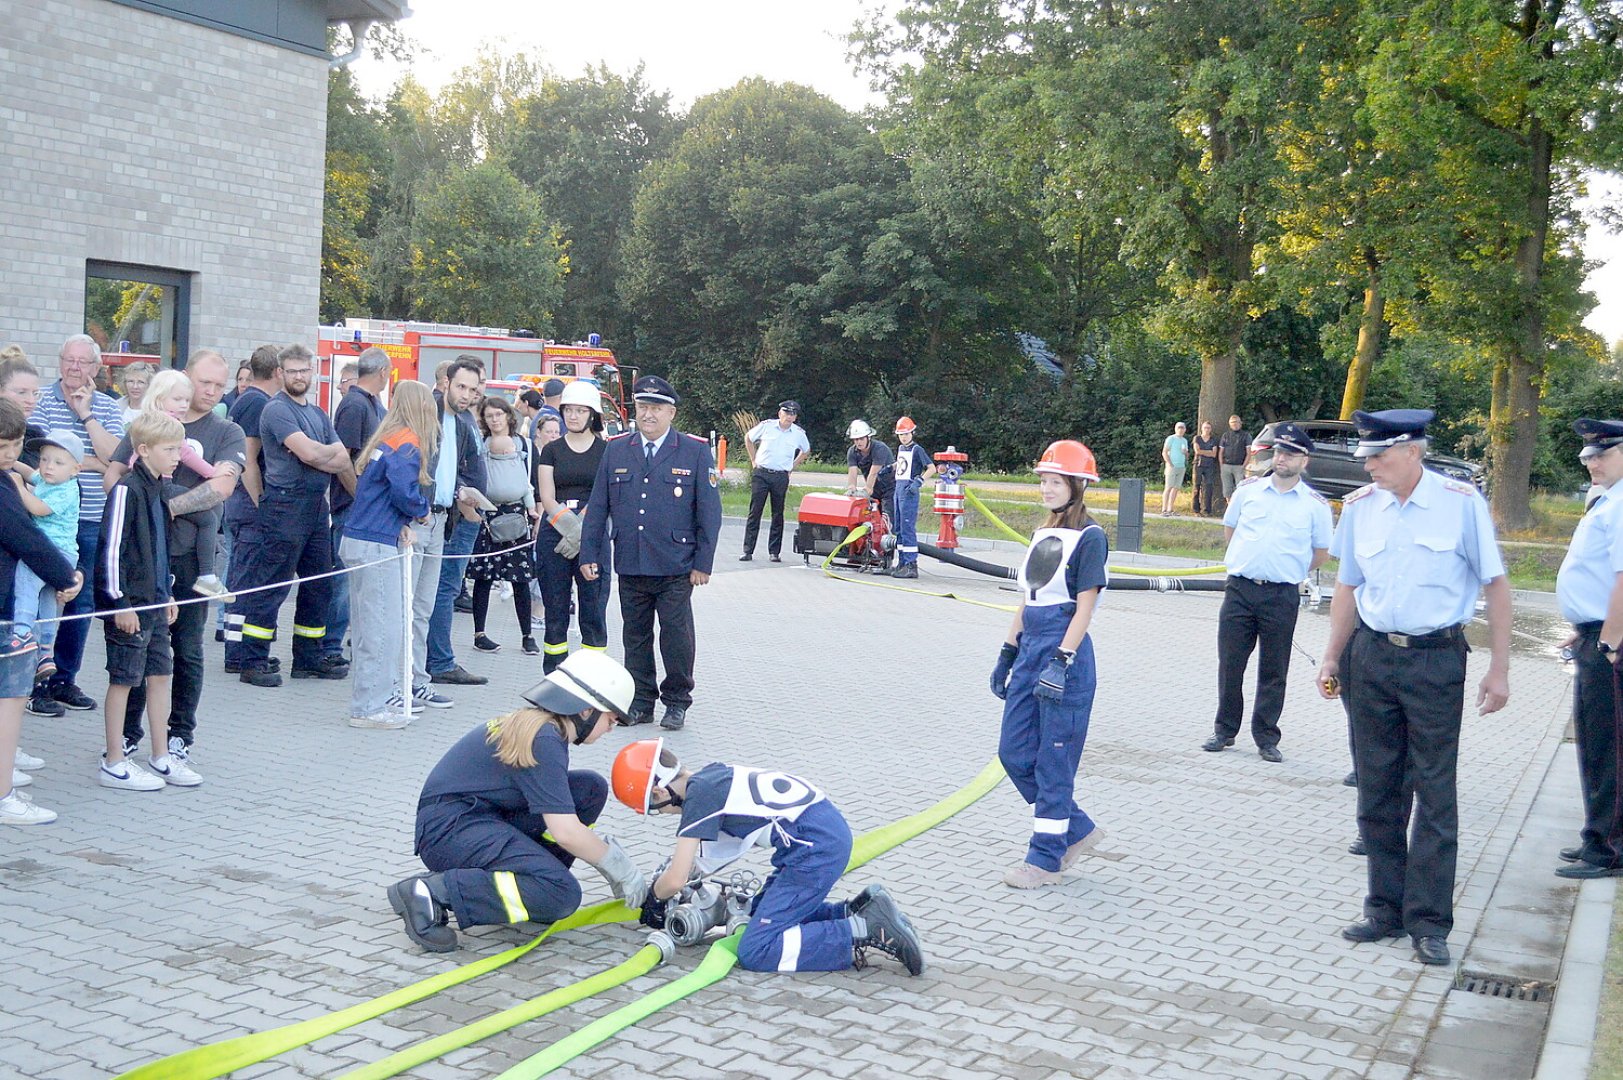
(132, 573)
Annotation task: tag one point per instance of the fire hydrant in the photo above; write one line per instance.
(949, 496)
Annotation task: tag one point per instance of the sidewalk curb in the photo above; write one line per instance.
(1569, 1041)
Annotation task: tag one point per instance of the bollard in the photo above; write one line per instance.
(1130, 515)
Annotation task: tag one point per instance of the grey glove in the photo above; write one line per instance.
(568, 526)
(625, 879)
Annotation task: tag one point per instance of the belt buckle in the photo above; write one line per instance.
(1400, 640)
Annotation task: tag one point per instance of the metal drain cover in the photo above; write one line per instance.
(1509, 987)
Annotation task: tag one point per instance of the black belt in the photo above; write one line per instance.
(1259, 581)
(1588, 629)
(442, 509)
(763, 468)
(1436, 639)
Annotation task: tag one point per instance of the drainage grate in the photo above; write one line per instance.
(1508, 987)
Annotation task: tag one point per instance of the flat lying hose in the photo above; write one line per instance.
(980, 566)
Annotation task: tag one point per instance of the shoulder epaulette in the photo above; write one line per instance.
(1317, 494)
(1354, 496)
(1249, 480)
(623, 434)
(1459, 487)
(696, 438)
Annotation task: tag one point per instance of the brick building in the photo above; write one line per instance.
(167, 149)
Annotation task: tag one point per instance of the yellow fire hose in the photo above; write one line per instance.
(1135, 571)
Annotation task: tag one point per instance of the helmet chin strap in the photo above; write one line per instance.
(674, 800)
(585, 726)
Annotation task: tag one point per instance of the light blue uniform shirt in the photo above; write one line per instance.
(1417, 567)
(1275, 532)
(1588, 574)
(445, 470)
(775, 447)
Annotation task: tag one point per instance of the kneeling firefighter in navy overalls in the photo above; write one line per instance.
(1045, 672)
(728, 809)
(502, 817)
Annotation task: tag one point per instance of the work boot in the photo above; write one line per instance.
(856, 904)
(260, 677)
(419, 901)
(906, 570)
(1081, 848)
(884, 571)
(1028, 876)
(1217, 744)
(889, 932)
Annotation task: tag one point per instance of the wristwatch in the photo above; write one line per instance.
(1605, 649)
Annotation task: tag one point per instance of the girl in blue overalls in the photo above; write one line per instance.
(728, 809)
(1045, 673)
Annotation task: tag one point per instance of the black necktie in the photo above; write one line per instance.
(648, 452)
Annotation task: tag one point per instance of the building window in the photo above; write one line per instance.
(139, 313)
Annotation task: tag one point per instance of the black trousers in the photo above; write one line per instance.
(186, 639)
(642, 598)
(1208, 482)
(1405, 708)
(764, 483)
(1597, 717)
(1254, 614)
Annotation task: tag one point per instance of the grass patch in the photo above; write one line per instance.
(1607, 1062)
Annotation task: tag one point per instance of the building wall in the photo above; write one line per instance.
(207, 158)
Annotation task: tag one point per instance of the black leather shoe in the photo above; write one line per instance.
(675, 716)
(637, 716)
(260, 677)
(746, 557)
(1357, 847)
(1216, 743)
(1367, 929)
(1270, 753)
(458, 676)
(1351, 779)
(1583, 871)
(1570, 854)
(321, 671)
(274, 663)
(1431, 950)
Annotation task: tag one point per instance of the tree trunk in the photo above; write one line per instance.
(1217, 381)
(1369, 337)
(1514, 432)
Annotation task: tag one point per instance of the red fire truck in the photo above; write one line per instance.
(512, 361)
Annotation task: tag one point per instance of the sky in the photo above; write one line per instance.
(698, 47)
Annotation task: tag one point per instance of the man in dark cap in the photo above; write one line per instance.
(659, 487)
(1278, 529)
(1589, 590)
(1415, 549)
(775, 449)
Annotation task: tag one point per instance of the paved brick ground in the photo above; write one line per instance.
(1201, 944)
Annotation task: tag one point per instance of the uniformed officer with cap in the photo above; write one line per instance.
(1589, 589)
(1278, 528)
(1415, 549)
(659, 488)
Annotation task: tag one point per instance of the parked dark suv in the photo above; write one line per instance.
(1332, 469)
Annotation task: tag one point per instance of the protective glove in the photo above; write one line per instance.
(629, 886)
(653, 911)
(568, 526)
(1051, 683)
(1000, 673)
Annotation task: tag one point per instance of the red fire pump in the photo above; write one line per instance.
(826, 518)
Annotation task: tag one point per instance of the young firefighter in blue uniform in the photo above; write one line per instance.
(502, 816)
(1045, 673)
(912, 470)
(728, 809)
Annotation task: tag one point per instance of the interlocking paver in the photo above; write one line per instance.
(1202, 942)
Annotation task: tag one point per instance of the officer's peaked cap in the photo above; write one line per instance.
(1379, 431)
(653, 389)
(1290, 436)
(1599, 436)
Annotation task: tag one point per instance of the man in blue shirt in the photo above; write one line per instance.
(659, 487)
(242, 508)
(775, 449)
(1278, 529)
(1589, 590)
(290, 537)
(74, 404)
(1414, 549)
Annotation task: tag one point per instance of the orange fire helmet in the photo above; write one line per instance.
(1069, 458)
(641, 767)
(905, 423)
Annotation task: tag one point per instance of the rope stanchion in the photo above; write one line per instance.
(407, 594)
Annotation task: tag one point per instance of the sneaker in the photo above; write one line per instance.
(890, 932)
(464, 604)
(28, 763)
(46, 667)
(41, 703)
(174, 771)
(675, 716)
(209, 585)
(381, 721)
(425, 696)
(1081, 848)
(1027, 876)
(531, 648)
(458, 676)
(16, 810)
(178, 748)
(71, 697)
(484, 644)
(20, 778)
(128, 776)
(18, 642)
(395, 705)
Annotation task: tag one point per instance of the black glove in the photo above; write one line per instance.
(1051, 683)
(653, 912)
(1000, 673)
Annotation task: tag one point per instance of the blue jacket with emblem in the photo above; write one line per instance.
(666, 517)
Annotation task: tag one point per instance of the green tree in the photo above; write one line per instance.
(484, 252)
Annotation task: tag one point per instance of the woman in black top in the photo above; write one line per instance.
(1207, 473)
(565, 472)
